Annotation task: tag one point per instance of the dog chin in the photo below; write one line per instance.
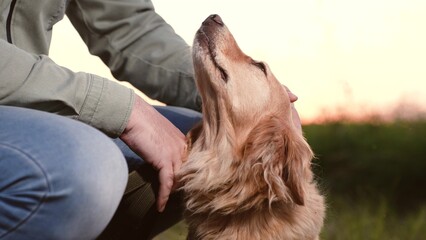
(205, 64)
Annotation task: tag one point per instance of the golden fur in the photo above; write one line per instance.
(248, 173)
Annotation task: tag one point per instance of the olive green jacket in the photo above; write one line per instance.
(131, 39)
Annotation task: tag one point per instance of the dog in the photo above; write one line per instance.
(248, 171)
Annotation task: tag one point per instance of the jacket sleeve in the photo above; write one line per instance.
(35, 81)
(139, 47)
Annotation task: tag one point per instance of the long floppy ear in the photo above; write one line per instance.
(284, 157)
(191, 137)
(193, 134)
(297, 158)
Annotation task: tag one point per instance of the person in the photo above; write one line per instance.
(69, 139)
(62, 175)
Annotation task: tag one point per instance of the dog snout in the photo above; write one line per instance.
(214, 18)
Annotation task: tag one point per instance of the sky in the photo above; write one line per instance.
(335, 55)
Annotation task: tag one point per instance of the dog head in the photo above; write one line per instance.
(232, 83)
(246, 106)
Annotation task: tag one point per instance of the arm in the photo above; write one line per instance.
(35, 81)
(139, 47)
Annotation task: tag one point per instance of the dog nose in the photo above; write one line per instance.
(216, 18)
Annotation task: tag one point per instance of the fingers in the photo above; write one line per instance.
(166, 177)
(158, 142)
(296, 119)
(291, 95)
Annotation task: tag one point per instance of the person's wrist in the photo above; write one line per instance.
(136, 117)
(131, 122)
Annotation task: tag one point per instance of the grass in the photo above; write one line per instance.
(373, 174)
(369, 160)
(348, 219)
(373, 177)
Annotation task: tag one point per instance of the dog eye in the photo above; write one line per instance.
(261, 66)
(224, 74)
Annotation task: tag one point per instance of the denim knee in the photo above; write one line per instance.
(22, 192)
(61, 179)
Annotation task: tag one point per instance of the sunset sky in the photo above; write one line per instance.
(360, 56)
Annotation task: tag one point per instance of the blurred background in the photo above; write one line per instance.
(359, 70)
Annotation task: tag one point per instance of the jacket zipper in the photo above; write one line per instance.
(9, 21)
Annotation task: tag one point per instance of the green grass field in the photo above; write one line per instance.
(373, 176)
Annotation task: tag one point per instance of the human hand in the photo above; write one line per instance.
(158, 142)
(294, 114)
(296, 119)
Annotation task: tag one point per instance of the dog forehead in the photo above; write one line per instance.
(247, 77)
(248, 90)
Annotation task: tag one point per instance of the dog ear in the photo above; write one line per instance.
(284, 157)
(191, 137)
(194, 133)
(297, 158)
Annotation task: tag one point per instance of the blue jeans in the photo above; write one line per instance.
(60, 178)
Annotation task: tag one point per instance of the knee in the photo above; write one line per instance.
(23, 187)
(88, 184)
(80, 195)
(93, 170)
(93, 187)
(67, 175)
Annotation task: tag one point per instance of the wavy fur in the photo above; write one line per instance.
(248, 173)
